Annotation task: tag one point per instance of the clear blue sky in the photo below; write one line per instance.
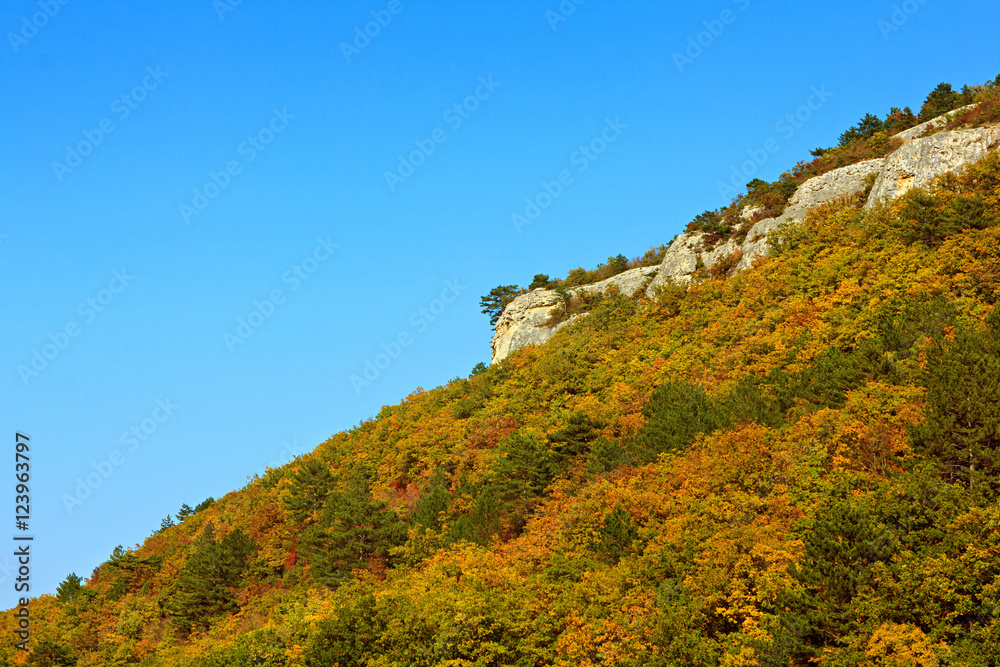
(277, 139)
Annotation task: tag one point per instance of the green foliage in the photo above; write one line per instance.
(940, 101)
(867, 127)
(479, 369)
(844, 548)
(205, 504)
(524, 467)
(264, 648)
(498, 298)
(926, 219)
(184, 512)
(311, 486)
(353, 531)
(128, 569)
(165, 523)
(572, 440)
(962, 428)
(47, 653)
(675, 414)
(540, 280)
(345, 637)
(617, 536)
(206, 582)
(617, 264)
(433, 503)
(69, 588)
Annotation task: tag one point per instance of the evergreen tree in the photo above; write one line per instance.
(540, 280)
(311, 486)
(962, 427)
(522, 470)
(498, 298)
(433, 501)
(47, 653)
(675, 413)
(617, 264)
(168, 522)
(69, 588)
(572, 440)
(205, 504)
(867, 127)
(353, 531)
(205, 583)
(939, 101)
(617, 535)
(184, 512)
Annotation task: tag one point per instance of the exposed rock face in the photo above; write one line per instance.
(915, 164)
(920, 161)
(525, 320)
(837, 183)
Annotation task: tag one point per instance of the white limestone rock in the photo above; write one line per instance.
(525, 320)
(918, 162)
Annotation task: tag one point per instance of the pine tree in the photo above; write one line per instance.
(311, 486)
(353, 531)
(498, 298)
(617, 535)
(69, 588)
(868, 126)
(184, 512)
(47, 653)
(168, 522)
(939, 101)
(962, 427)
(433, 501)
(675, 413)
(205, 582)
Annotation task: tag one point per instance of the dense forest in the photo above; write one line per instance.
(794, 465)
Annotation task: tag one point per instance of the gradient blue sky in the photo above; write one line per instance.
(322, 176)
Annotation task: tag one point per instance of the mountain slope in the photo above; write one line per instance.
(791, 465)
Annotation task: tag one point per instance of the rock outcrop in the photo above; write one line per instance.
(525, 320)
(916, 163)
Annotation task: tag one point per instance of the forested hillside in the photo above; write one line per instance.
(794, 465)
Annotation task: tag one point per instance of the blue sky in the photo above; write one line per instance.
(201, 245)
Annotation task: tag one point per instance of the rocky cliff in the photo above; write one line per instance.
(525, 321)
